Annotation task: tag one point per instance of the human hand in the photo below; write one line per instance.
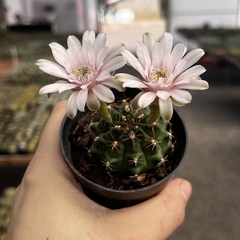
(50, 204)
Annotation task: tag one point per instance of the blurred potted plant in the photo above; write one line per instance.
(124, 146)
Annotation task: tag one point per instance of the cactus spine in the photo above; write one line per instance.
(128, 144)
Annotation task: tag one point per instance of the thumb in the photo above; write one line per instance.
(159, 216)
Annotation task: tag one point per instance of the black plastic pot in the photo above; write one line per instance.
(121, 198)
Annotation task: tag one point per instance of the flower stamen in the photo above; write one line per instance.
(159, 73)
(82, 73)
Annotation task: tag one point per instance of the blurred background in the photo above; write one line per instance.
(212, 163)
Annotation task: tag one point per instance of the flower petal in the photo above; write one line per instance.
(178, 69)
(165, 108)
(113, 83)
(134, 103)
(87, 54)
(103, 76)
(133, 61)
(114, 64)
(50, 88)
(61, 56)
(192, 72)
(130, 81)
(100, 58)
(99, 42)
(88, 36)
(74, 48)
(157, 55)
(59, 53)
(92, 102)
(103, 93)
(146, 99)
(149, 41)
(192, 57)
(195, 84)
(177, 53)
(181, 96)
(176, 103)
(123, 77)
(178, 84)
(72, 105)
(81, 99)
(166, 42)
(65, 87)
(143, 56)
(52, 68)
(164, 95)
(58, 86)
(114, 51)
(134, 84)
(73, 43)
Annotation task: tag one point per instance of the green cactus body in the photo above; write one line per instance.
(128, 144)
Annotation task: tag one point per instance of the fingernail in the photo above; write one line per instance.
(186, 189)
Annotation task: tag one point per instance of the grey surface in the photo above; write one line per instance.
(212, 164)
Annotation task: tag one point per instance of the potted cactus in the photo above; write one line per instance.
(123, 146)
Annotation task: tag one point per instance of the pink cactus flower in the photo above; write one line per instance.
(166, 73)
(87, 69)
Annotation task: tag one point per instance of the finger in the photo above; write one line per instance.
(49, 143)
(48, 157)
(158, 217)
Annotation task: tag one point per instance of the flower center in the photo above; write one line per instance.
(82, 73)
(159, 73)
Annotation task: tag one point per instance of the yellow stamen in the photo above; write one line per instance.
(159, 73)
(82, 73)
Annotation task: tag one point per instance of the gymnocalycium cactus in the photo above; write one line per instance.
(129, 144)
(131, 137)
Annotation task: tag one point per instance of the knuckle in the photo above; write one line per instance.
(30, 179)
